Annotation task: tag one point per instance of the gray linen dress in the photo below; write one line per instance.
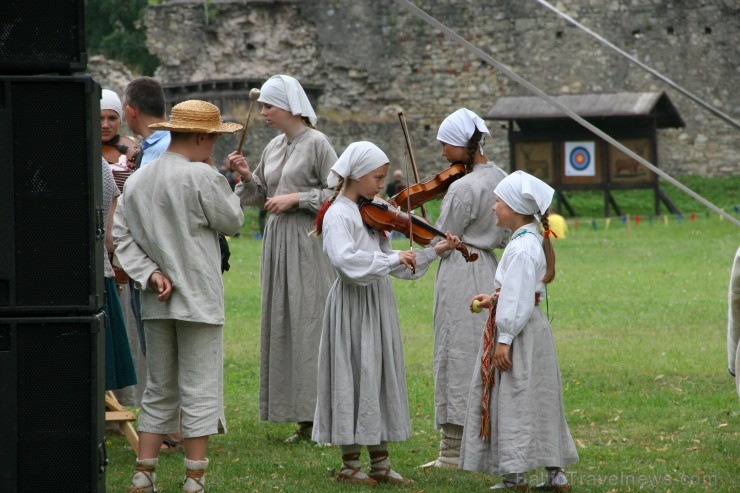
(362, 396)
(528, 427)
(295, 274)
(466, 213)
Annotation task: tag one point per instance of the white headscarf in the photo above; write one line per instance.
(285, 92)
(458, 128)
(357, 160)
(111, 101)
(525, 194)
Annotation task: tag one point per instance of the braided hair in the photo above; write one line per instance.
(307, 122)
(471, 147)
(549, 250)
(319, 221)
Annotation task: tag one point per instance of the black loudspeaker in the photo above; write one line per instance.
(42, 37)
(52, 408)
(51, 224)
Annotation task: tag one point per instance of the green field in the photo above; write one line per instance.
(639, 315)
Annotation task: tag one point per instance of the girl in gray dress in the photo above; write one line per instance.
(515, 420)
(465, 212)
(289, 182)
(362, 397)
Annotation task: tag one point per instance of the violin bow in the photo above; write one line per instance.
(411, 158)
(408, 206)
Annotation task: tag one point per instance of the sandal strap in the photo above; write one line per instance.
(509, 484)
(195, 474)
(145, 469)
(516, 485)
(355, 470)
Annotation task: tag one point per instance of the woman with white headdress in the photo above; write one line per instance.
(465, 212)
(362, 397)
(290, 182)
(515, 420)
(119, 365)
(117, 149)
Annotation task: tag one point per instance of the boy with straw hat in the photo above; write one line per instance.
(166, 233)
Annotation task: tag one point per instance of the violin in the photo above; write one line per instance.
(123, 146)
(385, 217)
(431, 189)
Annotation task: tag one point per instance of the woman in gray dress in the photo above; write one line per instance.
(465, 212)
(289, 182)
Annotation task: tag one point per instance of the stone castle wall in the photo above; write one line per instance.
(373, 57)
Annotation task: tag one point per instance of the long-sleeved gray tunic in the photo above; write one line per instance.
(295, 274)
(466, 213)
(168, 220)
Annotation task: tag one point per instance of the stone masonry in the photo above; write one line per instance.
(373, 57)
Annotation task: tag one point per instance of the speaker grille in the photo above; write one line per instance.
(4, 338)
(51, 194)
(4, 292)
(46, 35)
(55, 407)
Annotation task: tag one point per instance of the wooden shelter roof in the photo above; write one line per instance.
(620, 105)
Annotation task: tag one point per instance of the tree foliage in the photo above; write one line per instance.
(115, 29)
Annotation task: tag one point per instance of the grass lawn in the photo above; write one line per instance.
(640, 320)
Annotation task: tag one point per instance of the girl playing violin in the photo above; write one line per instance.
(465, 212)
(516, 421)
(362, 397)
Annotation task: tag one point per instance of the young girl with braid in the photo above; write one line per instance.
(515, 420)
(362, 397)
(465, 212)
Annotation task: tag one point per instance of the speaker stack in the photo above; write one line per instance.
(52, 329)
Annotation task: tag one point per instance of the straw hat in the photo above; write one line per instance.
(196, 117)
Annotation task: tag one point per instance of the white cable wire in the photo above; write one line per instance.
(512, 75)
(727, 118)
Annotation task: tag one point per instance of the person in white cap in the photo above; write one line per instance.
(465, 212)
(166, 234)
(119, 365)
(515, 420)
(290, 183)
(117, 149)
(362, 398)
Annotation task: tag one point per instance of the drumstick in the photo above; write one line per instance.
(254, 95)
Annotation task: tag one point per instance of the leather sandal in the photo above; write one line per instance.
(146, 472)
(383, 475)
(194, 477)
(510, 486)
(552, 485)
(301, 434)
(349, 475)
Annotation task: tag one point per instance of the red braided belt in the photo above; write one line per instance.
(486, 363)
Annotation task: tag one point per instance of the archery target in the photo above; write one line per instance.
(579, 159)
